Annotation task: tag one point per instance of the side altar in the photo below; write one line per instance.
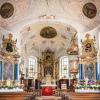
(9, 67)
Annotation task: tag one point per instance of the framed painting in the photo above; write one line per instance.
(89, 71)
(8, 71)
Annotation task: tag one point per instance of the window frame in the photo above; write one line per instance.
(32, 63)
(62, 63)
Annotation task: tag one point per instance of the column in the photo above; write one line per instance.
(16, 71)
(0, 70)
(80, 71)
(97, 70)
(26, 67)
(54, 70)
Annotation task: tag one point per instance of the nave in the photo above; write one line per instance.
(49, 49)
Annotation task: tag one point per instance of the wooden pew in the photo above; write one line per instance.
(17, 96)
(82, 96)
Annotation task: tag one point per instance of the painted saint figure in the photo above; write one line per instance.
(89, 72)
(8, 71)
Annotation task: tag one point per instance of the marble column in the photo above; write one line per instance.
(98, 66)
(81, 71)
(0, 70)
(54, 71)
(16, 70)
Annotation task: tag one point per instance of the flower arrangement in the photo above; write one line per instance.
(91, 82)
(8, 84)
(87, 85)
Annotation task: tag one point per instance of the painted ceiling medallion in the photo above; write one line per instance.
(6, 10)
(89, 10)
(48, 32)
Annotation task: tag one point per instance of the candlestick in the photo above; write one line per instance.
(69, 81)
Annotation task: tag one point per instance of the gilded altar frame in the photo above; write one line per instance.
(89, 57)
(7, 68)
(9, 57)
(48, 66)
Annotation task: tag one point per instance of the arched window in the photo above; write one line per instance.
(64, 69)
(32, 67)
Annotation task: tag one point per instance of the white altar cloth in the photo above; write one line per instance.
(11, 90)
(87, 91)
(51, 85)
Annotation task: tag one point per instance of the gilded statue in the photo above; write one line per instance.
(8, 43)
(88, 43)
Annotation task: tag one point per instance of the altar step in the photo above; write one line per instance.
(48, 98)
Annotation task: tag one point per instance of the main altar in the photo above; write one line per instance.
(48, 86)
(48, 73)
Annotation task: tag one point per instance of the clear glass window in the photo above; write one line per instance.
(64, 68)
(32, 67)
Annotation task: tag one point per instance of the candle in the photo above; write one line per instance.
(69, 81)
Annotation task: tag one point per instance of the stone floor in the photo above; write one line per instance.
(48, 98)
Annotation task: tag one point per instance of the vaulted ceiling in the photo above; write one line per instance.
(66, 16)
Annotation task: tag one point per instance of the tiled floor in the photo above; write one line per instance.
(48, 98)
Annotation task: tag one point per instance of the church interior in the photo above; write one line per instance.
(49, 49)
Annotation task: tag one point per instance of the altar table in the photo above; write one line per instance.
(48, 90)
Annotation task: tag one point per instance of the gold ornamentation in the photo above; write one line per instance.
(9, 45)
(89, 51)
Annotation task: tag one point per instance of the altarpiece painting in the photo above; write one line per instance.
(89, 71)
(8, 71)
